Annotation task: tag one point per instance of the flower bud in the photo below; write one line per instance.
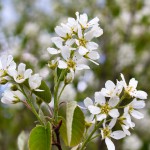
(3, 81)
(14, 87)
(69, 78)
(53, 64)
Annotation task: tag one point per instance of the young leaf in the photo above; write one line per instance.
(63, 130)
(72, 128)
(45, 95)
(41, 138)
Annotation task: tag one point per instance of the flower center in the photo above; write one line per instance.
(106, 132)
(130, 109)
(105, 109)
(2, 73)
(19, 77)
(121, 120)
(71, 64)
(82, 42)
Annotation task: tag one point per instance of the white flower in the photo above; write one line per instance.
(126, 123)
(133, 107)
(83, 20)
(101, 108)
(6, 63)
(111, 90)
(71, 63)
(131, 88)
(35, 82)
(107, 134)
(69, 77)
(21, 74)
(87, 48)
(12, 97)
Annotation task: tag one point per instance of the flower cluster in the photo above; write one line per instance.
(74, 43)
(15, 77)
(117, 103)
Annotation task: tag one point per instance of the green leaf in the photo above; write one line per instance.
(45, 95)
(41, 138)
(63, 130)
(72, 128)
(78, 126)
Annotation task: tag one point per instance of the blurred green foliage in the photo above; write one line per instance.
(25, 31)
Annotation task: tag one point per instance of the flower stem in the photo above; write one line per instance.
(61, 91)
(31, 106)
(90, 136)
(56, 97)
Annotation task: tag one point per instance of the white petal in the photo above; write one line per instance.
(82, 66)
(133, 83)
(123, 80)
(79, 32)
(114, 113)
(53, 51)
(128, 119)
(93, 55)
(57, 41)
(27, 73)
(21, 68)
(88, 102)
(110, 85)
(110, 145)
(113, 101)
(92, 45)
(105, 92)
(93, 21)
(141, 94)
(126, 131)
(126, 110)
(62, 64)
(65, 52)
(137, 114)
(94, 109)
(101, 117)
(112, 123)
(82, 50)
(138, 104)
(99, 98)
(59, 30)
(118, 134)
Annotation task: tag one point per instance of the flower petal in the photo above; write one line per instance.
(141, 94)
(82, 50)
(99, 98)
(118, 134)
(114, 113)
(112, 123)
(137, 114)
(53, 51)
(110, 85)
(88, 102)
(101, 117)
(125, 130)
(138, 104)
(62, 64)
(113, 101)
(110, 145)
(133, 83)
(92, 45)
(82, 66)
(93, 55)
(94, 109)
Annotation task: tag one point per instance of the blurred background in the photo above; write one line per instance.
(26, 28)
